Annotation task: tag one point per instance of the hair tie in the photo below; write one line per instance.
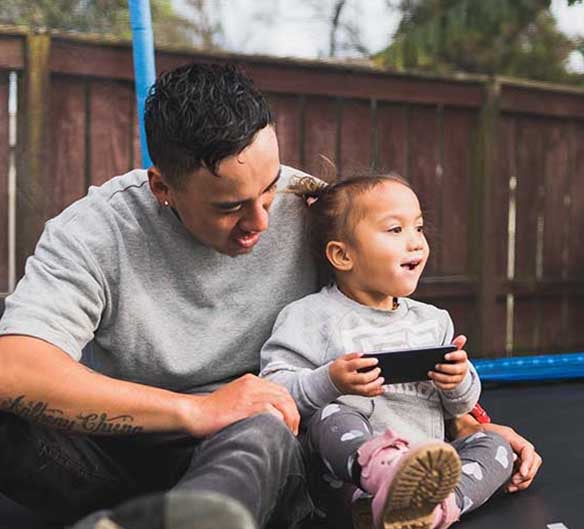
(311, 200)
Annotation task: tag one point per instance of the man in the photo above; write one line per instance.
(126, 348)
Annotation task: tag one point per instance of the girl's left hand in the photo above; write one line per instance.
(449, 376)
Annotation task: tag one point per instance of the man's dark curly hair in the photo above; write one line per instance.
(199, 114)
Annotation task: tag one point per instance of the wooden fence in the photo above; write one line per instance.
(499, 166)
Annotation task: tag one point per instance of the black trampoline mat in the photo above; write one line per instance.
(551, 416)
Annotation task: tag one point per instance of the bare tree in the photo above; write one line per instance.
(335, 22)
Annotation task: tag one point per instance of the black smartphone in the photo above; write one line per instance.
(410, 365)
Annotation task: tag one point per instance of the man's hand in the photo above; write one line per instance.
(528, 460)
(344, 372)
(448, 376)
(242, 398)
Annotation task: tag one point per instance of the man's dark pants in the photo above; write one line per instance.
(65, 476)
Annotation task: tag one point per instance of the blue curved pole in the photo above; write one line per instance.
(542, 367)
(144, 67)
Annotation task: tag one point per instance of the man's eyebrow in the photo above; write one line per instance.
(229, 205)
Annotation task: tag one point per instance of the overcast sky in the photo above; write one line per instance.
(290, 27)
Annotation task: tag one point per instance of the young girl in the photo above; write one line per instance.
(387, 439)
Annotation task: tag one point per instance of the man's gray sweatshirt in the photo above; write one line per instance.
(312, 332)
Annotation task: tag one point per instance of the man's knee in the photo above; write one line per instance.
(270, 439)
(270, 431)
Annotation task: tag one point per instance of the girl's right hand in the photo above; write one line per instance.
(346, 376)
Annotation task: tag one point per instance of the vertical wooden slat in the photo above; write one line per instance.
(503, 246)
(424, 161)
(32, 198)
(459, 134)
(4, 164)
(482, 233)
(67, 143)
(463, 314)
(356, 137)
(392, 123)
(530, 163)
(553, 333)
(555, 184)
(111, 129)
(286, 112)
(320, 134)
(504, 171)
(530, 170)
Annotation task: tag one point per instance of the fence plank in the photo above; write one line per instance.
(543, 100)
(392, 127)
(67, 143)
(32, 166)
(556, 185)
(4, 165)
(423, 162)
(463, 314)
(554, 324)
(12, 52)
(356, 137)
(112, 133)
(504, 171)
(530, 170)
(320, 133)
(530, 164)
(114, 61)
(286, 111)
(459, 133)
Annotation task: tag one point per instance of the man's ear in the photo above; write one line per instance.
(159, 187)
(339, 256)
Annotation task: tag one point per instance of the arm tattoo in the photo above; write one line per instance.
(91, 423)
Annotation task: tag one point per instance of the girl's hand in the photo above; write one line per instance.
(344, 372)
(449, 376)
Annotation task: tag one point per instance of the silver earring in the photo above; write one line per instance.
(166, 203)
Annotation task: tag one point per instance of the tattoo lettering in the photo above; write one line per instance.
(38, 412)
(94, 423)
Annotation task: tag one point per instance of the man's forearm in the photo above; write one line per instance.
(39, 382)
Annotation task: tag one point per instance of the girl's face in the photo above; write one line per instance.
(388, 250)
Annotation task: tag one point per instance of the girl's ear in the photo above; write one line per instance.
(338, 255)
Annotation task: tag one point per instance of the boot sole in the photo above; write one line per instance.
(428, 474)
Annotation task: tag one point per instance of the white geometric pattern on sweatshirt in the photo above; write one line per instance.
(421, 390)
(399, 335)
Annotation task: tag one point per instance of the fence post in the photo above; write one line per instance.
(32, 193)
(483, 233)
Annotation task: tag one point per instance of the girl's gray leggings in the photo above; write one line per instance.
(487, 459)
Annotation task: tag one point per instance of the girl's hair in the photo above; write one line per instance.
(332, 208)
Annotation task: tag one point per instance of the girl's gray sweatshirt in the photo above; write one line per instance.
(315, 330)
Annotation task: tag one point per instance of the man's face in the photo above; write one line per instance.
(228, 211)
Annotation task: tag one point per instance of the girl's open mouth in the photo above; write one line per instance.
(411, 265)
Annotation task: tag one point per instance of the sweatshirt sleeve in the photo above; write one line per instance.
(294, 357)
(461, 399)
